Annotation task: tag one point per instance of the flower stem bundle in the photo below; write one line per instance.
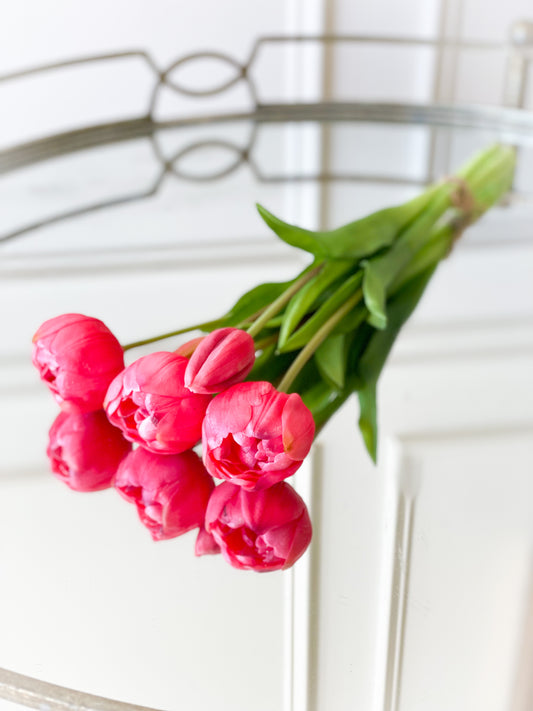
(327, 333)
(267, 376)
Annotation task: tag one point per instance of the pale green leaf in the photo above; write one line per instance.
(330, 358)
(375, 296)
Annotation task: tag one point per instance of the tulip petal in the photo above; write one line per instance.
(298, 428)
(205, 544)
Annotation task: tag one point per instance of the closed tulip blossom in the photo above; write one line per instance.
(77, 357)
(85, 450)
(152, 406)
(170, 491)
(259, 530)
(255, 436)
(221, 359)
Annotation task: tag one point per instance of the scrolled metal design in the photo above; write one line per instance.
(240, 74)
(239, 158)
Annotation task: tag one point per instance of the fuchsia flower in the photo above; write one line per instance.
(170, 491)
(255, 436)
(259, 530)
(77, 357)
(221, 359)
(85, 450)
(152, 406)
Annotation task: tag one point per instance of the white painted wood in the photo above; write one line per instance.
(460, 428)
(468, 576)
(399, 501)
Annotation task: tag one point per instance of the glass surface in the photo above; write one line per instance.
(149, 235)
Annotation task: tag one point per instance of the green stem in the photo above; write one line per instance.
(276, 306)
(436, 248)
(488, 178)
(207, 326)
(319, 337)
(477, 162)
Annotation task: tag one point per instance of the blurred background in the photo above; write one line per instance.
(127, 190)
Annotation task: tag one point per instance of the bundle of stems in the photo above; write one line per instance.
(327, 333)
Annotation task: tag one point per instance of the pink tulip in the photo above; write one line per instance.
(85, 450)
(77, 356)
(255, 436)
(221, 359)
(152, 406)
(170, 491)
(259, 530)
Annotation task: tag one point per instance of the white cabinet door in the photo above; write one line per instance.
(422, 572)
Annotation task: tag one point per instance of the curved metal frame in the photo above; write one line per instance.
(37, 694)
(513, 125)
(510, 125)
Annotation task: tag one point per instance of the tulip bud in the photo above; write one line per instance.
(170, 491)
(77, 357)
(85, 450)
(255, 436)
(151, 405)
(259, 530)
(223, 358)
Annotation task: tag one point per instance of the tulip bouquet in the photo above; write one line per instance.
(259, 384)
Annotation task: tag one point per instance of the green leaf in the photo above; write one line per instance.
(308, 375)
(389, 264)
(438, 245)
(400, 307)
(368, 418)
(323, 401)
(302, 302)
(361, 339)
(253, 301)
(372, 233)
(375, 296)
(291, 234)
(372, 359)
(304, 334)
(356, 240)
(330, 358)
(318, 396)
(352, 321)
